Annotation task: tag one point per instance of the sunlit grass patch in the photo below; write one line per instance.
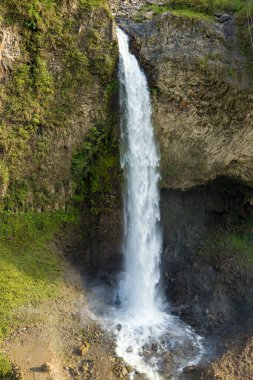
(30, 268)
(5, 368)
(192, 14)
(197, 9)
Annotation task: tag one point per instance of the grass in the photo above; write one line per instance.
(209, 6)
(180, 12)
(243, 243)
(156, 9)
(30, 269)
(191, 14)
(5, 368)
(197, 9)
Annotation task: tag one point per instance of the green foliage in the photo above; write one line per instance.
(243, 243)
(209, 6)
(209, 57)
(95, 166)
(179, 12)
(244, 36)
(190, 13)
(31, 13)
(39, 99)
(87, 4)
(5, 368)
(29, 270)
(198, 9)
(103, 53)
(235, 243)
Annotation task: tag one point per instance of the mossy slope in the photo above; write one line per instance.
(54, 97)
(30, 268)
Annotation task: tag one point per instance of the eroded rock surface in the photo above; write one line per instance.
(203, 98)
(126, 8)
(9, 49)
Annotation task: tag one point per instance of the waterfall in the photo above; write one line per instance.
(140, 162)
(145, 331)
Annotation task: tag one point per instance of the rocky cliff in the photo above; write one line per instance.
(200, 75)
(57, 70)
(203, 96)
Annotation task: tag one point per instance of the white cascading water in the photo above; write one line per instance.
(140, 161)
(146, 332)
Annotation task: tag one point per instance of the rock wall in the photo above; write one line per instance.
(201, 85)
(53, 96)
(125, 8)
(203, 98)
(9, 50)
(206, 266)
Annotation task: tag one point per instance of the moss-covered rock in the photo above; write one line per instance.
(53, 96)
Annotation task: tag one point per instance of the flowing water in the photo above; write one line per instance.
(151, 340)
(140, 161)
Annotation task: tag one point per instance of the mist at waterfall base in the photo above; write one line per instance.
(148, 338)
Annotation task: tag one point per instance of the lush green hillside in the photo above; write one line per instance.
(57, 92)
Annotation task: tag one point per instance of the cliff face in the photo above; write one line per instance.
(201, 85)
(203, 98)
(57, 65)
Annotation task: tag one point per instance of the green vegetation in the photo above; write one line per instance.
(243, 243)
(235, 243)
(95, 165)
(244, 36)
(30, 269)
(191, 14)
(156, 9)
(197, 9)
(5, 366)
(210, 6)
(180, 12)
(40, 99)
(244, 247)
(87, 4)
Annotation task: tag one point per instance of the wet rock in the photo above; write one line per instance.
(155, 347)
(118, 327)
(189, 369)
(129, 349)
(129, 368)
(225, 17)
